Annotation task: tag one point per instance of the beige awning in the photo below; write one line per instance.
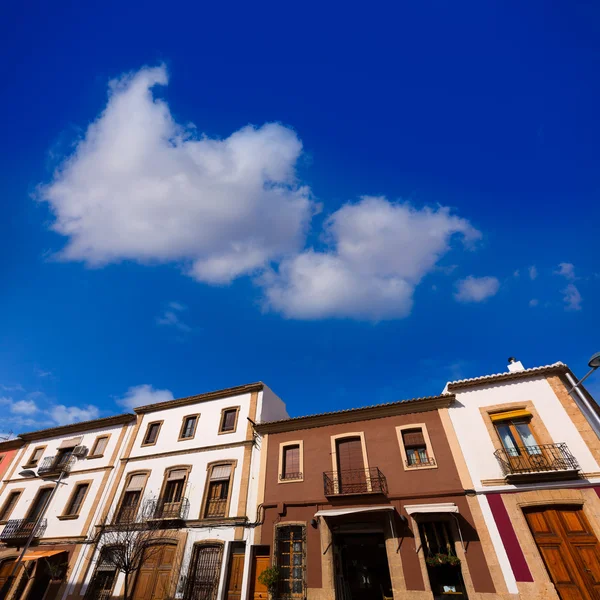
(337, 512)
(71, 443)
(440, 507)
(35, 554)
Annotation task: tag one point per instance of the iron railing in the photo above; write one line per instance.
(356, 481)
(536, 459)
(290, 476)
(427, 462)
(20, 529)
(55, 465)
(172, 511)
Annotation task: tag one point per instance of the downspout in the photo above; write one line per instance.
(591, 416)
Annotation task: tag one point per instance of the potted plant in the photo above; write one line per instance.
(270, 579)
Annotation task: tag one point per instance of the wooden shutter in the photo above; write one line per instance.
(136, 483)
(77, 500)
(291, 460)
(350, 457)
(229, 420)
(413, 438)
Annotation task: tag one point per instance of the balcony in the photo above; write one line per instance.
(169, 511)
(547, 461)
(18, 530)
(55, 465)
(356, 481)
(422, 462)
(290, 476)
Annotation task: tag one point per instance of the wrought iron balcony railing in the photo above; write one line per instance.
(171, 511)
(55, 465)
(20, 529)
(427, 462)
(536, 459)
(356, 481)
(290, 476)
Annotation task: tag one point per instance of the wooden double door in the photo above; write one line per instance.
(154, 579)
(569, 548)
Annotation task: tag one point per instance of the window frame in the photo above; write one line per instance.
(4, 507)
(34, 463)
(37, 494)
(209, 469)
(187, 468)
(66, 515)
(128, 477)
(93, 453)
(280, 469)
(428, 447)
(144, 442)
(222, 419)
(182, 429)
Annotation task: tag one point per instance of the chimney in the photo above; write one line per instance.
(514, 365)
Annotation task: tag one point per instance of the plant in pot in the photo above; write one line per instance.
(270, 579)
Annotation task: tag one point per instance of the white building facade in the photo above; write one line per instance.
(530, 454)
(192, 466)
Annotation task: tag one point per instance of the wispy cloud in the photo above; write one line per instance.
(140, 395)
(171, 317)
(534, 302)
(533, 272)
(42, 373)
(572, 297)
(476, 289)
(12, 388)
(566, 270)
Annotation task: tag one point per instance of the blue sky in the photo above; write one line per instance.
(352, 205)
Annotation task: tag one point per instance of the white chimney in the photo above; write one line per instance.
(514, 365)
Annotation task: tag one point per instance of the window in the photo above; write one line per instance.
(217, 497)
(104, 577)
(229, 418)
(170, 503)
(188, 427)
(63, 456)
(131, 498)
(203, 575)
(76, 501)
(291, 560)
(9, 505)
(99, 446)
(515, 432)
(415, 447)
(38, 504)
(290, 462)
(34, 459)
(152, 433)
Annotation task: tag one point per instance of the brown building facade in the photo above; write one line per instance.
(368, 503)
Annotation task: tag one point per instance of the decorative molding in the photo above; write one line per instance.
(189, 451)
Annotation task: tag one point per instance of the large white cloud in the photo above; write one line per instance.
(142, 187)
(378, 251)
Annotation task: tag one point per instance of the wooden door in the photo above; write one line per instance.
(351, 466)
(570, 550)
(259, 591)
(234, 579)
(154, 577)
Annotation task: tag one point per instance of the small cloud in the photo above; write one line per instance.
(170, 317)
(566, 270)
(476, 289)
(517, 273)
(42, 373)
(533, 273)
(12, 388)
(534, 302)
(64, 415)
(23, 407)
(572, 297)
(140, 395)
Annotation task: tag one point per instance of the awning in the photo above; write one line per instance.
(337, 512)
(440, 507)
(513, 414)
(71, 443)
(35, 554)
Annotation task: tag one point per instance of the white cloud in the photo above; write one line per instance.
(534, 302)
(12, 388)
(533, 273)
(140, 395)
(476, 289)
(567, 270)
(170, 317)
(141, 187)
(571, 297)
(63, 415)
(24, 407)
(378, 252)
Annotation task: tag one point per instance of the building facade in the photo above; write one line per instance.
(368, 503)
(529, 449)
(78, 460)
(191, 468)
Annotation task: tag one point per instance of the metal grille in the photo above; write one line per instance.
(54, 465)
(203, 576)
(290, 476)
(161, 509)
(427, 462)
(291, 561)
(20, 529)
(536, 459)
(356, 481)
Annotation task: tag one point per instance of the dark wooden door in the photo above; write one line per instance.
(154, 577)
(259, 591)
(234, 579)
(351, 466)
(570, 550)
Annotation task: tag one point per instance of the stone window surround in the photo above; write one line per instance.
(430, 454)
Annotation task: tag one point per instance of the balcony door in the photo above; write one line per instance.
(351, 467)
(522, 448)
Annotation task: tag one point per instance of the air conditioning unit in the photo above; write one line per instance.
(80, 451)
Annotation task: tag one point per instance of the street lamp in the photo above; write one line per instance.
(28, 473)
(593, 417)
(593, 363)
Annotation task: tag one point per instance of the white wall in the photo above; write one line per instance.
(272, 407)
(474, 437)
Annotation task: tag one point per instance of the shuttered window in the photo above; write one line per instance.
(152, 433)
(415, 447)
(291, 462)
(188, 429)
(99, 446)
(350, 456)
(228, 420)
(35, 456)
(218, 492)
(131, 498)
(76, 501)
(9, 505)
